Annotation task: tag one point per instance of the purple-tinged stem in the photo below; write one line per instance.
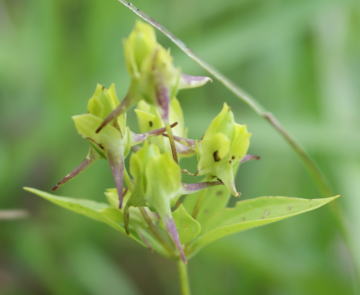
(249, 158)
(145, 241)
(117, 169)
(189, 141)
(171, 227)
(142, 136)
(172, 143)
(123, 106)
(154, 230)
(83, 165)
(194, 187)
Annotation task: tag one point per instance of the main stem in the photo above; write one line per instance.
(183, 278)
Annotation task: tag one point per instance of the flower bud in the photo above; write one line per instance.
(157, 184)
(114, 142)
(149, 118)
(154, 78)
(224, 144)
(103, 102)
(139, 47)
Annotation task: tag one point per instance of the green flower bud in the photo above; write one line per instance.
(139, 47)
(163, 182)
(157, 183)
(149, 118)
(154, 78)
(224, 144)
(149, 64)
(115, 140)
(138, 164)
(103, 102)
(157, 179)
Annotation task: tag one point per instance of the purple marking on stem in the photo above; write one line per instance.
(145, 241)
(83, 165)
(194, 187)
(171, 227)
(137, 138)
(183, 149)
(163, 100)
(117, 169)
(189, 81)
(188, 141)
(249, 158)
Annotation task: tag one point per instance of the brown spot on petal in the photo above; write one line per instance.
(216, 156)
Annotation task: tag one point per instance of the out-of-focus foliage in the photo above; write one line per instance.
(300, 58)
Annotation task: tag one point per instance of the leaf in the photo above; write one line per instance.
(204, 204)
(104, 213)
(189, 81)
(95, 210)
(88, 208)
(186, 225)
(253, 213)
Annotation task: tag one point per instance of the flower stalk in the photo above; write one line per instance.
(183, 278)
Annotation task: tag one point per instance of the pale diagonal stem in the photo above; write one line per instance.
(13, 214)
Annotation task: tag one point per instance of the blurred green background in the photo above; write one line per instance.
(299, 58)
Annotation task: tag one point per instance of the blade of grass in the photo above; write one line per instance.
(13, 214)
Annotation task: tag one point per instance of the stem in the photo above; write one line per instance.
(153, 229)
(172, 143)
(13, 214)
(183, 278)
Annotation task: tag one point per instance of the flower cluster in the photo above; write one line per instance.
(150, 188)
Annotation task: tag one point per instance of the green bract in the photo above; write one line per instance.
(150, 203)
(148, 118)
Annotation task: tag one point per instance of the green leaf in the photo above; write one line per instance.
(187, 226)
(88, 208)
(204, 204)
(253, 213)
(95, 210)
(104, 213)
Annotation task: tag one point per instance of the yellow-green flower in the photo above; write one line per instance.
(223, 146)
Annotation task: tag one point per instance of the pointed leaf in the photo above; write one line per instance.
(188, 81)
(187, 226)
(204, 204)
(99, 211)
(253, 213)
